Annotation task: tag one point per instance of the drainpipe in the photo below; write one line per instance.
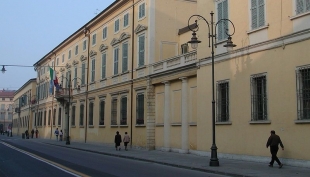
(88, 44)
(132, 60)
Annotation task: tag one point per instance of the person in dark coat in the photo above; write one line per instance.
(37, 132)
(274, 141)
(27, 134)
(117, 141)
(32, 132)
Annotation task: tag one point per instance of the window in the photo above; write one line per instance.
(303, 93)
(91, 113)
(184, 48)
(94, 39)
(54, 117)
(59, 116)
(114, 112)
(125, 57)
(49, 117)
(126, 20)
(103, 65)
(75, 77)
(104, 32)
(259, 97)
(81, 114)
(84, 45)
(93, 63)
(73, 116)
(69, 55)
(83, 74)
(258, 13)
(57, 61)
(222, 12)
(141, 50)
(124, 111)
(140, 109)
(141, 10)
(44, 118)
(63, 58)
(116, 25)
(76, 50)
(101, 116)
(302, 6)
(222, 101)
(115, 61)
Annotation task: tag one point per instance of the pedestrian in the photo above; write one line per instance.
(32, 132)
(27, 134)
(60, 135)
(56, 134)
(117, 141)
(274, 141)
(126, 140)
(37, 132)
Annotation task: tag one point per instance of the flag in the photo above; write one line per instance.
(54, 80)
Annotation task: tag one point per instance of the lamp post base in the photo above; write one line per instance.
(214, 161)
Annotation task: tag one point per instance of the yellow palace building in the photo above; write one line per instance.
(131, 69)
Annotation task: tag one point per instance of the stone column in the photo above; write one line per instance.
(167, 117)
(184, 114)
(150, 127)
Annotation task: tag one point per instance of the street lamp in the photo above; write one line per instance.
(194, 43)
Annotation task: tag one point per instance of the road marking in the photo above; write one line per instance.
(54, 164)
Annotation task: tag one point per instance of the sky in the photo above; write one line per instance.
(29, 29)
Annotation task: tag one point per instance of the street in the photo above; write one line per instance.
(32, 158)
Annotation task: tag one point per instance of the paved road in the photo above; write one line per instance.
(92, 164)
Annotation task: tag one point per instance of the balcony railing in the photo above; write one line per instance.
(175, 62)
(62, 94)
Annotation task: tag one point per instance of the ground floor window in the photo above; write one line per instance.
(140, 109)
(303, 92)
(124, 111)
(222, 101)
(259, 97)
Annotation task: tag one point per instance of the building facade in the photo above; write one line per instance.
(6, 114)
(130, 69)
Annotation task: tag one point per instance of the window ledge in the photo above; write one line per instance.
(91, 126)
(176, 124)
(140, 67)
(81, 126)
(101, 126)
(258, 29)
(159, 124)
(54, 125)
(123, 126)
(303, 121)
(92, 83)
(103, 79)
(141, 125)
(260, 122)
(299, 15)
(125, 72)
(223, 123)
(114, 126)
(116, 75)
(139, 19)
(221, 42)
(192, 123)
(72, 126)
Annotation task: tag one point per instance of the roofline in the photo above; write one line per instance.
(76, 32)
(28, 82)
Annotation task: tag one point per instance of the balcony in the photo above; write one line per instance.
(175, 62)
(62, 94)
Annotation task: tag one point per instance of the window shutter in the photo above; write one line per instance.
(83, 74)
(93, 70)
(307, 5)
(75, 77)
(103, 65)
(220, 25)
(254, 13)
(141, 50)
(261, 13)
(125, 57)
(299, 6)
(115, 61)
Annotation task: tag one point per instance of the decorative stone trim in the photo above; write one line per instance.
(140, 88)
(119, 92)
(103, 47)
(114, 41)
(68, 66)
(75, 62)
(140, 28)
(92, 53)
(124, 36)
(102, 96)
(62, 69)
(82, 58)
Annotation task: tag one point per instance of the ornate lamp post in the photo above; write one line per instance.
(194, 43)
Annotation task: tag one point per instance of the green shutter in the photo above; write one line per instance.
(261, 13)
(141, 50)
(103, 65)
(254, 13)
(220, 16)
(115, 61)
(125, 57)
(83, 74)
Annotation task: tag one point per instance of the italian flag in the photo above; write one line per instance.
(54, 80)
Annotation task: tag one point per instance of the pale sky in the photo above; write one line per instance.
(29, 29)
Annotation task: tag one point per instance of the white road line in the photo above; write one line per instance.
(40, 159)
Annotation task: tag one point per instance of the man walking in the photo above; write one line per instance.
(274, 141)
(117, 141)
(126, 140)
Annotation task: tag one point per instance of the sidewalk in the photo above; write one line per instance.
(189, 161)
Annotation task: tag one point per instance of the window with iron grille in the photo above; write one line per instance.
(124, 111)
(73, 116)
(303, 93)
(259, 97)
(258, 13)
(125, 57)
(140, 109)
(222, 101)
(302, 6)
(82, 114)
(222, 13)
(59, 116)
(101, 114)
(54, 117)
(49, 117)
(114, 112)
(91, 114)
